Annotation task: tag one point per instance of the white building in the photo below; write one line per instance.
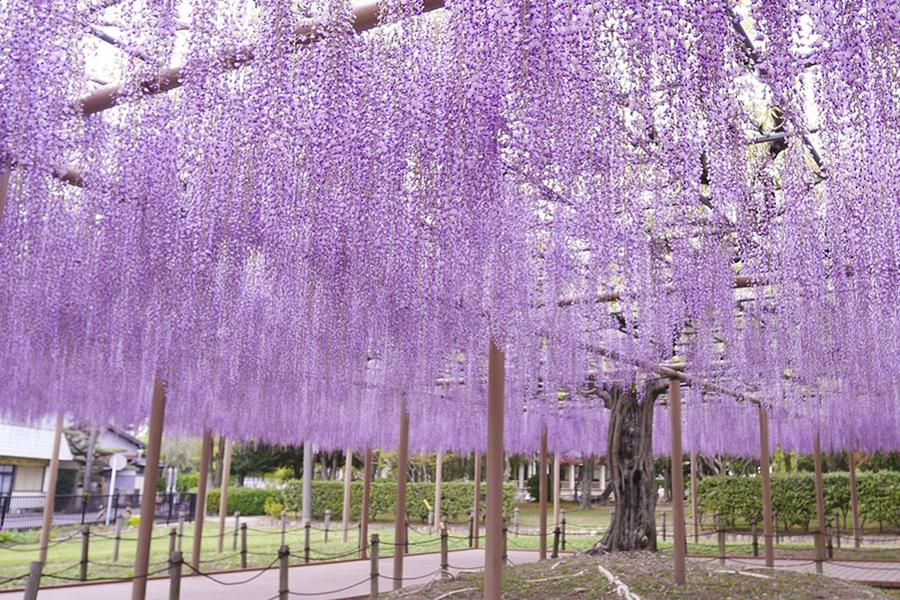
(25, 453)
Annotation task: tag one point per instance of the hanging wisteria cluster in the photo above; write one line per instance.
(320, 227)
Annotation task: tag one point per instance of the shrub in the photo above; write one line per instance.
(273, 507)
(187, 482)
(456, 499)
(794, 497)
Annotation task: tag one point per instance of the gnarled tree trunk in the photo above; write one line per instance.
(629, 459)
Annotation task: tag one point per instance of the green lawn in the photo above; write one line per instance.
(583, 529)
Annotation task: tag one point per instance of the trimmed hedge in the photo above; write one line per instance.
(794, 497)
(456, 498)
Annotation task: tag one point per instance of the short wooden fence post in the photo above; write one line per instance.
(327, 523)
(720, 533)
(306, 528)
(243, 545)
(445, 557)
(755, 533)
(837, 531)
(555, 553)
(237, 529)
(373, 571)
(85, 548)
(471, 530)
(117, 539)
(664, 526)
(173, 540)
(175, 562)
(284, 553)
(516, 520)
(33, 584)
(563, 528)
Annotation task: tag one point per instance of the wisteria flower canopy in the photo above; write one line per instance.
(300, 225)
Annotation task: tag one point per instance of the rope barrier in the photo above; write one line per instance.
(11, 579)
(108, 579)
(435, 572)
(343, 589)
(52, 544)
(231, 583)
(221, 558)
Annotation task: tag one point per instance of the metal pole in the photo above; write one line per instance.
(695, 501)
(85, 551)
(678, 534)
(205, 460)
(476, 503)
(768, 515)
(373, 570)
(348, 478)
(854, 501)
(820, 501)
(175, 562)
(542, 498)
(50, 499)
(284, 554)
(366, 500)
(438, 484)
(400, 509)
(223, 494)
(494, 526)
(148, 494)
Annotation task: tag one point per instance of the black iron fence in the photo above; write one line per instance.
(26, 511)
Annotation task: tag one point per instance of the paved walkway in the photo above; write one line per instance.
(353, 576)
(872, 572)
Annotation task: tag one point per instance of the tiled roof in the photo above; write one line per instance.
(24, 441)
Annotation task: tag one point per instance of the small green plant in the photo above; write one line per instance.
(273, 507)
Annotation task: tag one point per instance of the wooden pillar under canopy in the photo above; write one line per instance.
(556, 487)
(854, 499)
(348, 479)
(695, 501)
(678, 539)
(202, 485)
(223, 492)
(366, 504)
(476, 503)
(400, 510)
(768, 521)
(820, 498)
(438, 484)
(494, 542)
(148, 494)
(50, 498)
(542, 498)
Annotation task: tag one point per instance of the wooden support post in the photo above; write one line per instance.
(438, 484)
(243, 545)
(85, 552)
(768, 515)
(695, 501)
(175, 562)
(400, 510)
(348, 479)
(148, 494)
(854, 500)
(308, 468)
(678, 534)
(542, 498)
(50, 498)
(493, 545)
(223, 493)
(33, 583)
(476, 503)
(202, 483)
(373, 568)
(556, 488)
(820, 500)
(284, 554)
(366, 501)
